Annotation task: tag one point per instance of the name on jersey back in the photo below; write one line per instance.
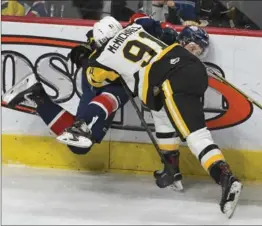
(117, 41)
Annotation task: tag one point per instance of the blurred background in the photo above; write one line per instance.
(214, 13)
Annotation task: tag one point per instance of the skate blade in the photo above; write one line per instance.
(10, 100)
(177, 186)
(81, 142)
(12, 94)
(230, 206)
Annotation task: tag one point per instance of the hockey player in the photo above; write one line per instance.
(196, 41)
(170, 81)
(95, 101)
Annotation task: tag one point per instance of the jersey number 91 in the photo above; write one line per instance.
(135, 50)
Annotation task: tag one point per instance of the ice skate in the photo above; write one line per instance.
(166, 179)
(78, 135)
(22, 93)
(231, 189)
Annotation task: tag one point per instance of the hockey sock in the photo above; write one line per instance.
(101, 107)
(54, 116)
(218, 169)
(208, 153)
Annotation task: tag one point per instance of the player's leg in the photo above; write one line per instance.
(100, 106)
(88, 128)
(47, 109)
(54, 116)
(182, 95)
(168, 142)
(58, 119)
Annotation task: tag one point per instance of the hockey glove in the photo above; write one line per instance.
(79, 53)
(169, 36)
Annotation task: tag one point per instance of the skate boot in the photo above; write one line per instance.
(78, 135)
(231, 189)
(23, 93)
(165, 178)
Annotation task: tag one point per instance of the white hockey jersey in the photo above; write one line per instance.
(129, 53)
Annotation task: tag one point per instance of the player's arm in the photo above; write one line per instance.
(150, 25)
(82, 52)
(79, 53)
(161, 30)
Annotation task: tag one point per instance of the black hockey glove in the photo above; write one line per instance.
(79, 53)
(169, 36)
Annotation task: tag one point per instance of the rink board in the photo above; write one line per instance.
(29, 45)
(116, 157)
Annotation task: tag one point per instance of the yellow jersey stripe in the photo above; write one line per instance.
(173, 110)
(145, 84)
(147, 70)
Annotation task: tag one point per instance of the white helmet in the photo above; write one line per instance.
(105, 29)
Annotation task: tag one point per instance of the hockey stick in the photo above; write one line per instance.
(149, 132)
(223, 80)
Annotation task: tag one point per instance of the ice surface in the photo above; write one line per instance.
(41, 196)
